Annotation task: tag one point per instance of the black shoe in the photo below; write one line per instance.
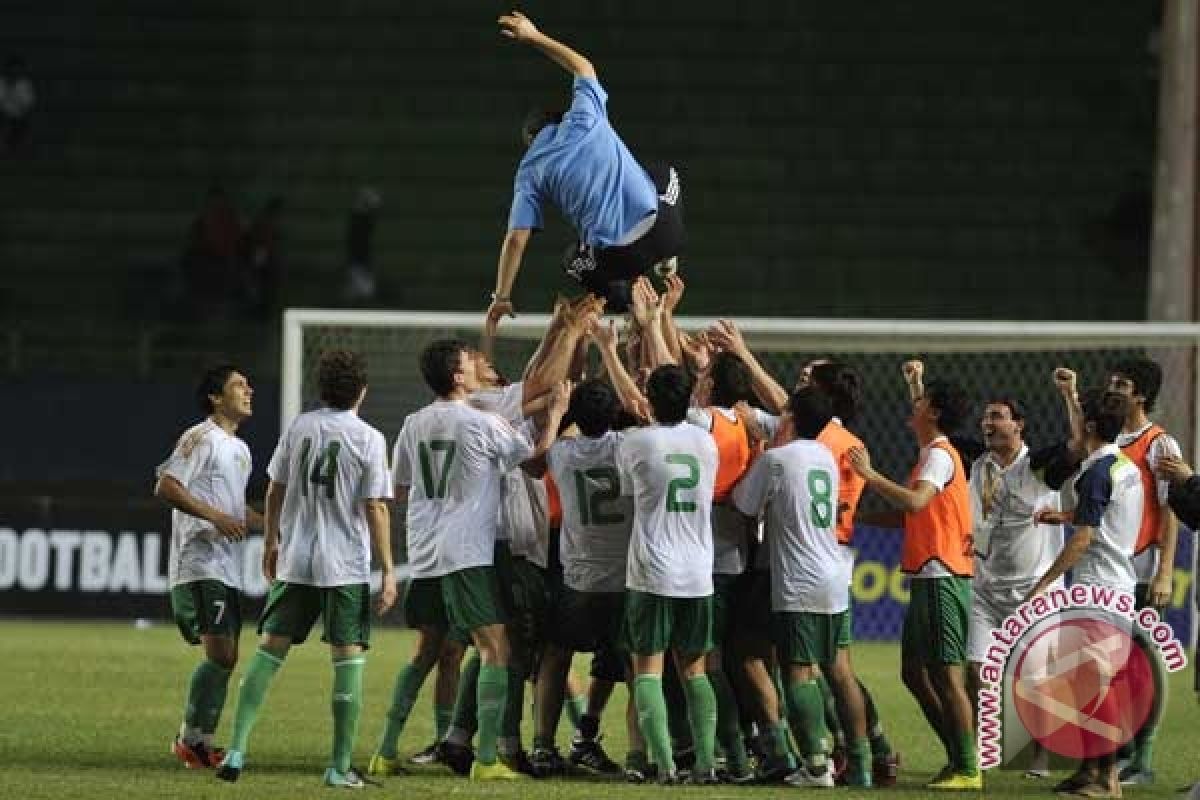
(773, 770)
(703, 778)
(589, 754)
(519, 762)
(458, 757)
(685, 758)
(430, 755)
(669, 779)
(230, 774)
(548, 762)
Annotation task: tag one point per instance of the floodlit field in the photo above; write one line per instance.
(89, 710)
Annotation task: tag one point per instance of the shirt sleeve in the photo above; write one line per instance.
(1094, 490)
(186, 460)
(1164, 445)
(701, 418)
(526, 211)
(937, 468)
(768, 422)
(588, 98)
(625, 464)
(509, 446)
(750, 494)
(401, 463)
(376, 482)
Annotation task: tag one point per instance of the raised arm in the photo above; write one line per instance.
(905, 499)
(631, 397)
(914, 372)
(727, 337)
(511, 253)
(520, 28)
(1068, 388)
(551, 363)
(647, 312)
(670, 301)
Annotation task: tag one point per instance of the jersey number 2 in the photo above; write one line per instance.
(677, 484)
(447, 446)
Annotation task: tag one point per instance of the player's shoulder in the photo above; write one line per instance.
(204, 432)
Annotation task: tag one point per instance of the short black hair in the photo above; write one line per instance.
(1145, 374)
(594, 406)
(537, 119)
(213, 382)
(440, 360)
(341, 377)
(811, 411)
(1016, 409)
(844, 386)
(1105, 409)
(951, 402)
(730, 380)
(669, 390)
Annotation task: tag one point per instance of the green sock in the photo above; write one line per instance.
(832, 721)
(729, 729)
(576, 707)
(806, 712)
(441, 721)
(206, 696)
(465, 717)
(781, 744)
(881, 748)
(347, 708)
(652, 719)
(404, 696)
(702, 714)
(510, 722)
(967, 755)
(1143, 756)
(490, 701)
(259, 673)
(859, 763)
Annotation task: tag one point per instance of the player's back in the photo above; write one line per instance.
(1108, 561)
(330, 461)
(597, 519)
(840, 442)
(670, 471)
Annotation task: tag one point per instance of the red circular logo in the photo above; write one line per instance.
(1083, 687)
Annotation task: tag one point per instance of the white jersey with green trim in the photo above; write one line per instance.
(453, 459)
(597, 519)
(214, 467)
(670, 471)
(331, 461)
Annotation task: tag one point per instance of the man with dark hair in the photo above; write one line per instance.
(1146, 444)
(204, 481)
(1100, 552)
(628, 218)
(452, 459)
(937, 554)
(326, 506)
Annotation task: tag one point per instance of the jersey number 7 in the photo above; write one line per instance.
(426, 451)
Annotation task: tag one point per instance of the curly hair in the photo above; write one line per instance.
(341, 377)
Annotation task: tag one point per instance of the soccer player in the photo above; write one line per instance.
(628, 218)
(204, 481)
(670, 470)
(326, 505)
(796, 485)
(453, 458)
(937, 554)
(1101, 551)
(1146, 443)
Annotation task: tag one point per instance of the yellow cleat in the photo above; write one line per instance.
(383, 767)
(958, 782)
(495, 772)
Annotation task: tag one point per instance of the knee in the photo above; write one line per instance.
(226, 659)
(914, 677)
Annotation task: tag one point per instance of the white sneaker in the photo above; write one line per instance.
(805, 777)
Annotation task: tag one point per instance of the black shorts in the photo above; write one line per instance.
(607, 271)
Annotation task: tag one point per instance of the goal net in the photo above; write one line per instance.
(990, 359)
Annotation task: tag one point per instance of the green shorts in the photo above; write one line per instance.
(655, 624)
(292, 609)
(803, 637)
(845, 633)
(724, 589)
(206, 608)
(423, 604)
(528, 608)
(935, 625)
(472, 599)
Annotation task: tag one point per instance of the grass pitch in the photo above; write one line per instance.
(88, 710)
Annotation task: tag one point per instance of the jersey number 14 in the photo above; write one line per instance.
(324, 469)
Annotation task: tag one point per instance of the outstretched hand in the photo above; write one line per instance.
(495, 312)
(516, 25)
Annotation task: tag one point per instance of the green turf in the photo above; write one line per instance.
(88, 710)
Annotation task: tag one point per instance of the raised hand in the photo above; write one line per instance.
(500, 308)
(1065, 380)
(725, 336)
(913, 371)
(517, 26)
(673, 293)
(604, 336)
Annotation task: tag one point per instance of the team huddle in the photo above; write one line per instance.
(657, 499)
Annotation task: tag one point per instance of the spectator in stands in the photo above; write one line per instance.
(261, 268)
(360, 231)
(17, 100)
(210, 260)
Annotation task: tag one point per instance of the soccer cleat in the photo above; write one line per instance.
(809, 778)
(958, 782)
(1132, 776)
(196, 755)
(774, 769)
(737, 778)
(430, 755)
(519, 762)
(589, 754)
(380, 766)
(495, 772)
(703, 778)
(669, 779)
(885, 771)
(684, 758)
(1097, 790)
(458, 757)
(231, 766)
(638, 768)
(350, 779)
(1036, 774)
(547, 762)
(1072, 784)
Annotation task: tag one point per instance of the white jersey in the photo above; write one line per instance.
(597, 519)
(214, 467)
(670, 472)
(797, 487)
(525, 517)
(731, 540)
(1011, 551)
(1146, 562)
(331, 461)
(1110, 496)
(507, 403)
(453, 459)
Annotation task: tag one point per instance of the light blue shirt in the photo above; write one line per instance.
(583, 168)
